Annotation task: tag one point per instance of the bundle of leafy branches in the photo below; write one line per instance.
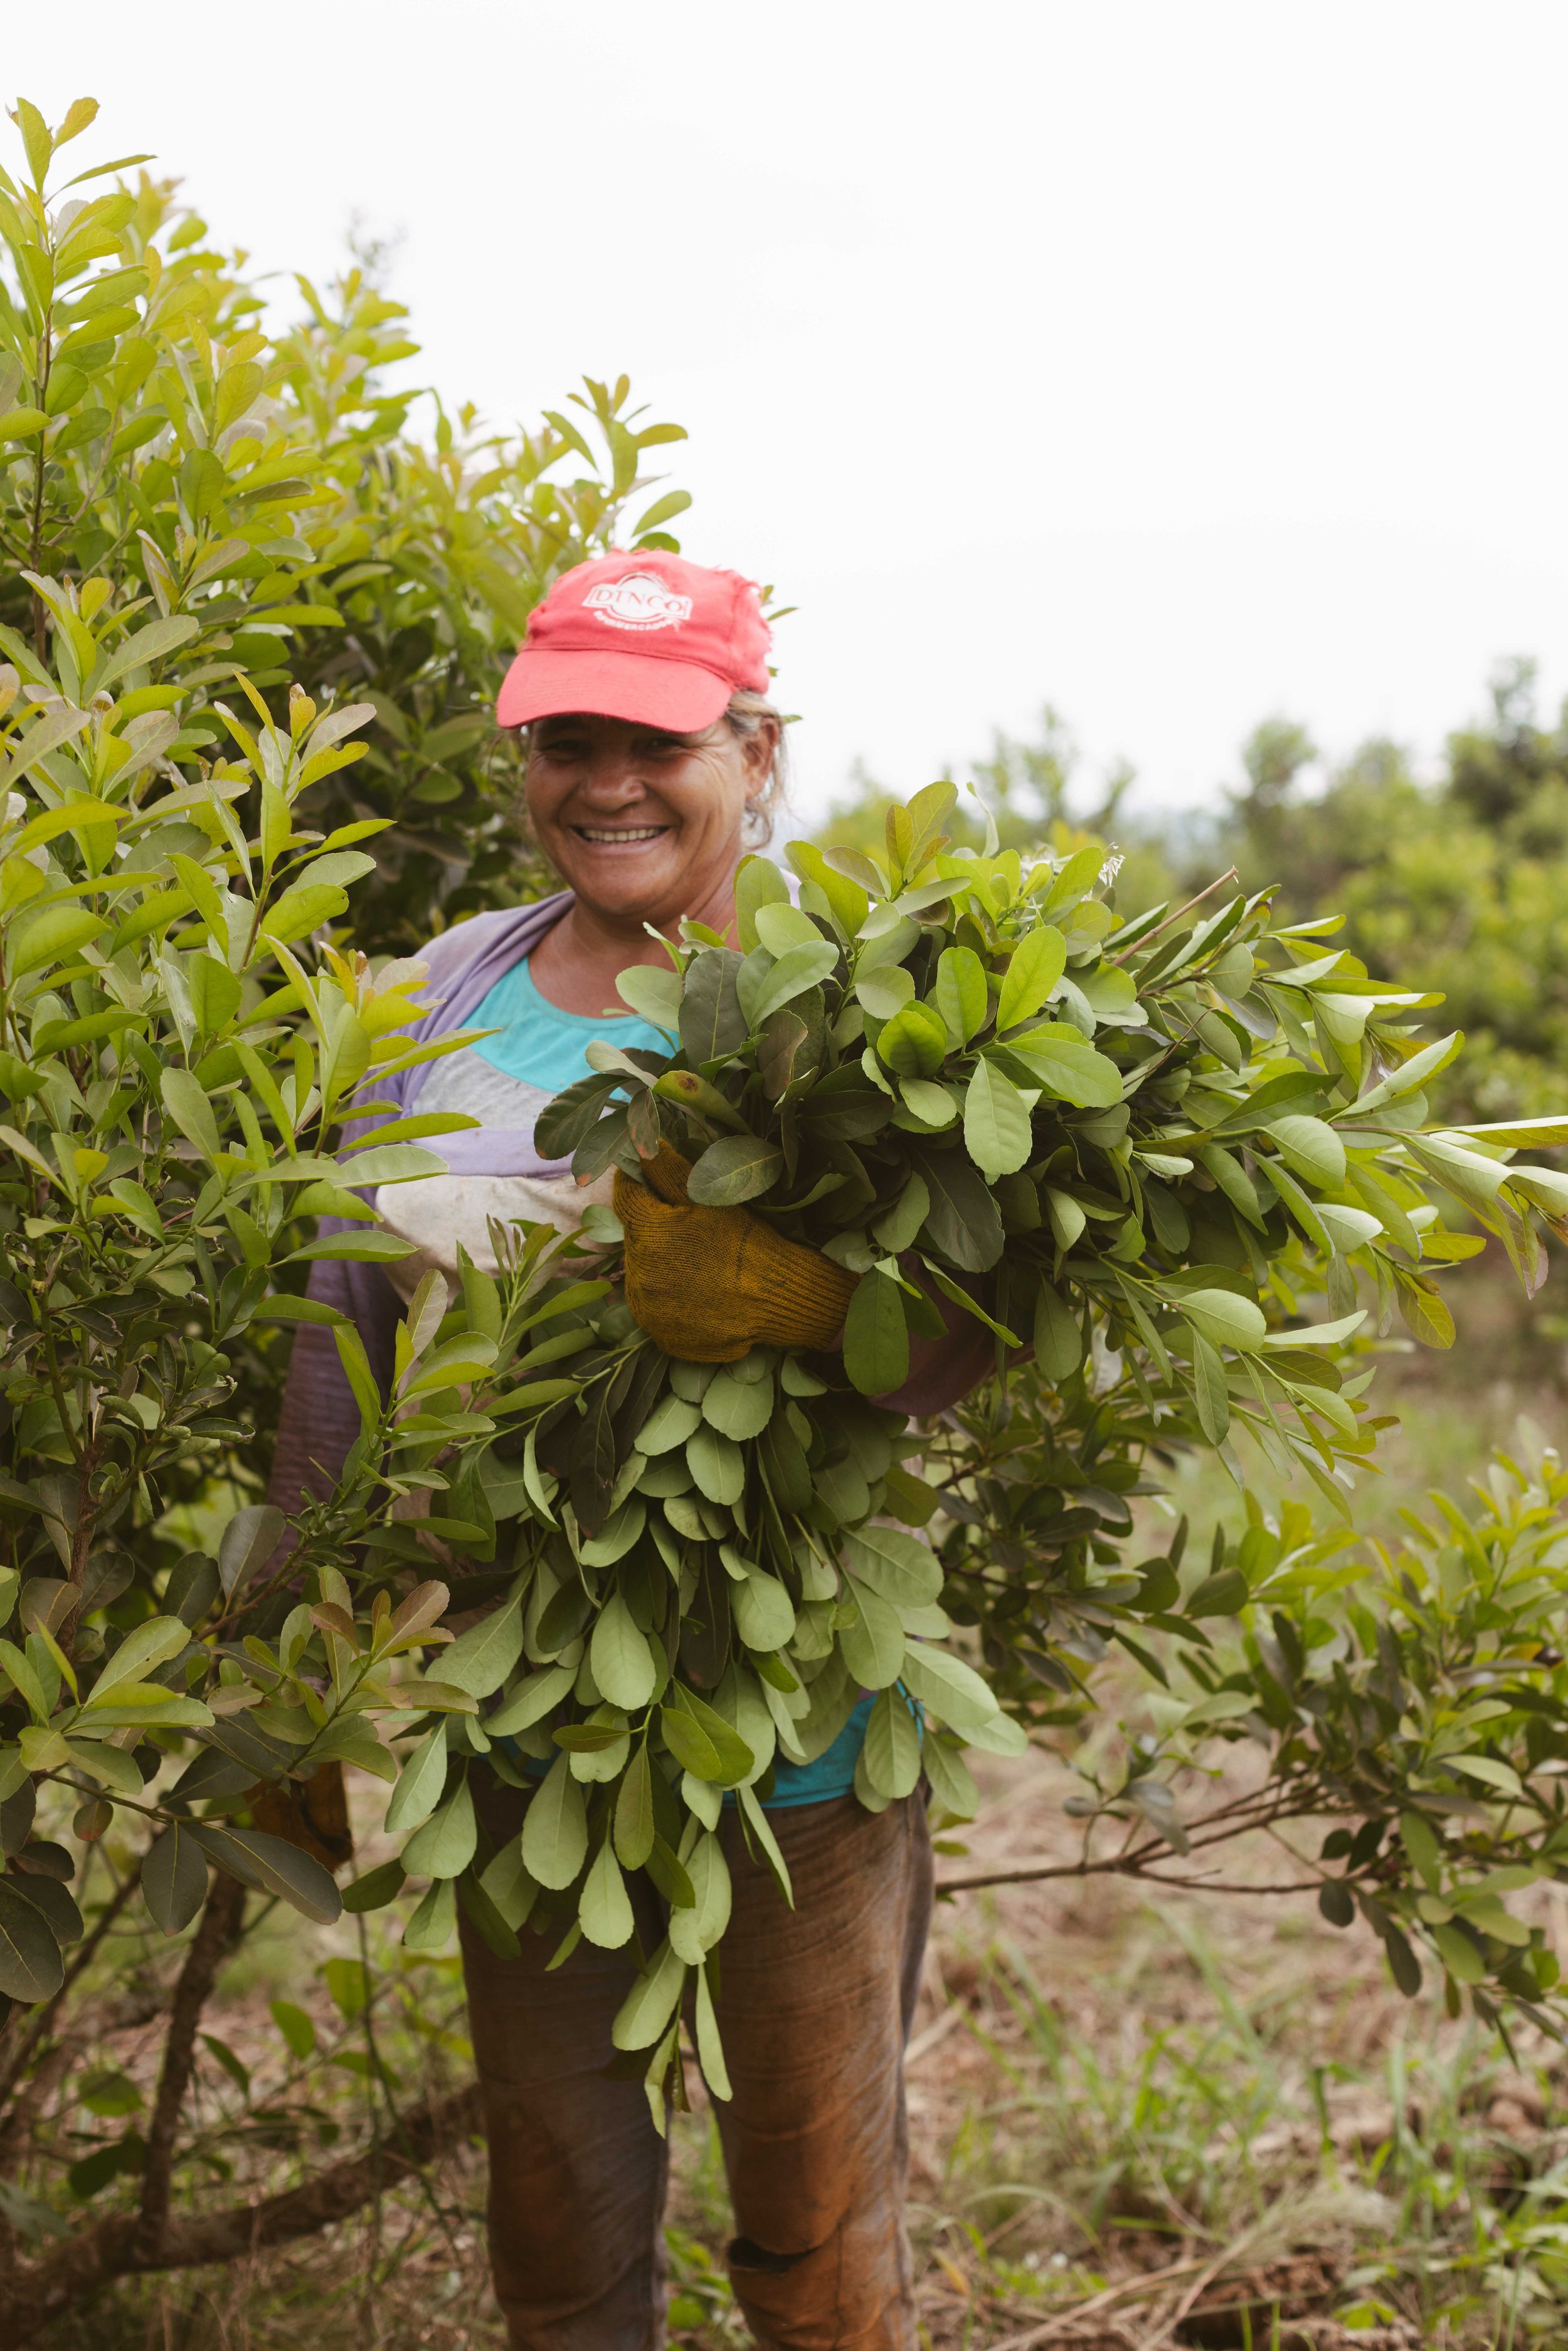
(958, 1076)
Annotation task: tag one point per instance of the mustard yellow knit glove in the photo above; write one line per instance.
(709, 1284)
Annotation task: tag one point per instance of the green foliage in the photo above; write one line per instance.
(1458, 886)
(1422, 1708)
(259, 491)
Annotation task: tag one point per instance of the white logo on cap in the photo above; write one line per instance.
(641, 600)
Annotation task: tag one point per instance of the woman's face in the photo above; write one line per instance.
(645, 827)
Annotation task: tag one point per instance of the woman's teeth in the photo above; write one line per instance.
(620, 833)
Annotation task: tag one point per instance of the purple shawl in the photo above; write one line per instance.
(320, 1420)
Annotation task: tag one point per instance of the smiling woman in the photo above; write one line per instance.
(651, 748)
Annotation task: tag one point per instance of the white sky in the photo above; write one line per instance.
(1182, 361)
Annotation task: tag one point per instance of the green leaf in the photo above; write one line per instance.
(1208, 1383)
(185, 1100)
(671, 1422)
(1225, 1320)
(718, 1464)
(764, 1612)
(420, 1783)
(445, 1845)
(48, 935)
(31, 1968)
(1068, 1069)
(147, 1644)
(604, 1908)
(779, 928)
(620, 1657)
(274, 1866)
(1037, 963)
(892, 1748)
(250, 1538)
(915, 1042)
(873, 1646)
(651, 2002)
(1058, 1341)
(738, 1408)
(634, 1812)
(375, 1889)
(792, 976)
(1459, 1954)
(884, 993)
(736, 1167)
(876, 1338)
(696, 1927)
(555, 1827)
(900, 1569)
(757, 884)
(571, 1117)
(848, 903)
(431, 1925)
(898, 1228)
(1222, 1595)
(508, 1886)
(963, 1223)
(653, 992)
(712, 1024)
(1312, 1149)
(479, 1660)
(702, 1741)
(996, 1130)
(299, 912)
(952, 1782)
(1425, 1310)
(390, 1163)
(962, 997)
(710, 2048)
(1420, 1842)
(174, 1879)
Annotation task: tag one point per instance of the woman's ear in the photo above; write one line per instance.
(759, 752)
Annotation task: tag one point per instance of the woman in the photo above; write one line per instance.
(650, 752)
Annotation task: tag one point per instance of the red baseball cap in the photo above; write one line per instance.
(646, 637)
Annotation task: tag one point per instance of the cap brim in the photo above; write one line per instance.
(649, 691)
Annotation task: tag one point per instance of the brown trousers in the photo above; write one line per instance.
(814, 2011)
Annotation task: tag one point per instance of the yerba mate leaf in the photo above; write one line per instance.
(567, 1119)
(31, 1968)
(736, 1167)
(876, 1339)
(712, 1024)
(963, 1224)
(174, 1879)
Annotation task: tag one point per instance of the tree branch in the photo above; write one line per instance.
(118, 2247)
(214, 1939)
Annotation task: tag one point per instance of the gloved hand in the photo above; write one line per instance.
(709, 1284)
